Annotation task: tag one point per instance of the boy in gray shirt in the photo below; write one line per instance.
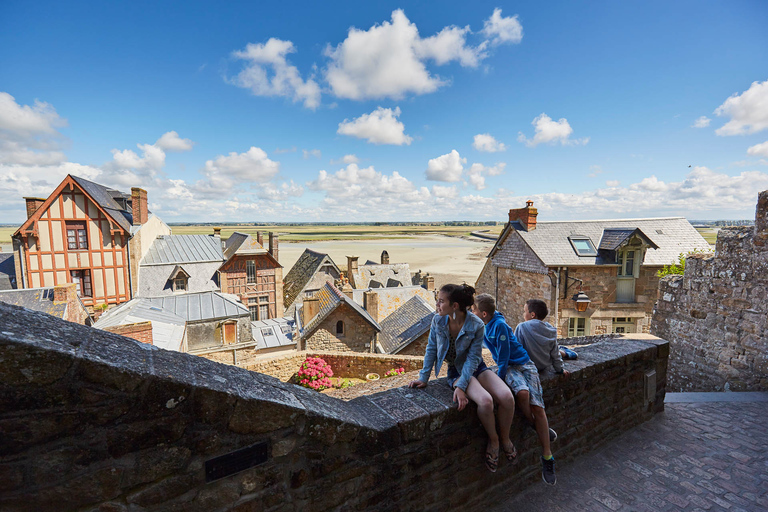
(539, 338)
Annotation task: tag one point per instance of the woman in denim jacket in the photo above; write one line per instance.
(456, 337)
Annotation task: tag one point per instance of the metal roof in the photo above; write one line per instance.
(549, 241)
(407, 323)
(167, 327)
(170, 249)
(201, 306)
(275, 332)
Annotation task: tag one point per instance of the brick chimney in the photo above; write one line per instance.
(260, 238)
(384, 258)
(33, 203)
(371, 304)
(428, 282)
(139, 206)
(526, 216)
(309, 309)
(217, 233)
(273, 243)
(65, 292)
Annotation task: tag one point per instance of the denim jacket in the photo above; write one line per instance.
(469, 346)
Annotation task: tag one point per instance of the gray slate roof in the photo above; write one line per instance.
(301, 273)
(177, 249)
(614, 238)
(330, 298)
(167, 327)
(275, 332)
(108, 199)
(549, 241)
(7, 271)
(407, 323)
(241, 243)
(37, 299)
(201, 306)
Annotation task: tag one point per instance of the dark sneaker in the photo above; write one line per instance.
(552, 436)
(548, 471)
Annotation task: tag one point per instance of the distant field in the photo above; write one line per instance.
(709, 234)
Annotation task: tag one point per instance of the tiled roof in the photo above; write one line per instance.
(167, 327)
(407, 323)
(330, 298)
(549, 241)
(241, 243)
(614, 238)
(7, 271)
(376, 275)
(170, 249)
(108, 199)
(37, 299)
(201, 306)
(301, 273)
(275, 332)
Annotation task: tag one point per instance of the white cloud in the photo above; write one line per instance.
(612, 183)
(487, 143)
(224, 173)
(170, 141)
(281, 192)
(758, 149)
(701, 122)
(477, 173)
(446, 167)
(267, 72)
(29, 134)
(379, 127)
(596, 170)
(280, 151)
(450, 192)
(552, 132)
(748, 111)
(502, 30)
(346, 159)
(308, 153)
(388, 60)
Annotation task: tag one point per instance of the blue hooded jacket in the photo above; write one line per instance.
(504, 347)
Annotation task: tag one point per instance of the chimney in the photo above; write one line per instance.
(217, 233)
(273, 245)
(309, 309)
(260, 238)
(348, 290)
(428, 282)
(384, 257)
(33, 203)
(371, 304)
(351, 264)
(65, 292)
(139, 206)
(526, 216)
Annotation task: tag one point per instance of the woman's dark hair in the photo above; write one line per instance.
(461, 293)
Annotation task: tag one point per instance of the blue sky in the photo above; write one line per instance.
(344, 111)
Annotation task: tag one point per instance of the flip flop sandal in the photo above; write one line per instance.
(510, 454)
(491, 461)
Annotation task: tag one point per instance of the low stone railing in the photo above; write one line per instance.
(93, 419)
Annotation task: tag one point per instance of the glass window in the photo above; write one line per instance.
(583, 246)
(577, 327)
(250, 271)
(254, 312)
(263, 311)
(627, 263)
(82, 278)
(77, 238)
(180, 284)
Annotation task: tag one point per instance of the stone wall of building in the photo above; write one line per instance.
(95, 421)
(417, 347)
(506, 284)
(715, 314)
(359, 335)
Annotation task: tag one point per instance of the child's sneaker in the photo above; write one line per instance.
(548, 471)
(552, 436)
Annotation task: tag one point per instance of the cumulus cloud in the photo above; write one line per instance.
(758, 149)
(309, 153)
(450, 192)
(225, 172)
(487, 143)
(346, 159)
(446, 167)
(379, 127)
(170, 141)
(701, 122)
(748, 111)
(29, 134)
(282, 192)
(548, 131)
(612, 183)
(501, 30)
(267, 72)
(388, 60)
(478, 172)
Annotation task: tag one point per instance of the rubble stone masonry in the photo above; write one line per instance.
(715, 315)
(95, 421)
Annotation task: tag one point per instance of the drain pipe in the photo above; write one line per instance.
(557, 298)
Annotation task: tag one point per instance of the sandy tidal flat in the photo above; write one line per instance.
(447, 258)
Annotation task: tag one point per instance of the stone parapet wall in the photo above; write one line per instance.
(92, 420)
(715, 314)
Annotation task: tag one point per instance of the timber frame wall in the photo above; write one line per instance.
(269, 277)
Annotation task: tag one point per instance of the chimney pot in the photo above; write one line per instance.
(217, 232)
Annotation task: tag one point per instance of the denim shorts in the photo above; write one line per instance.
(525, 377)
(454, 374)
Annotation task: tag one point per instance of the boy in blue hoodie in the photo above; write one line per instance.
(520, 373)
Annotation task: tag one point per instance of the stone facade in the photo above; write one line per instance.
(358, 334)
(94, 421)
(417, 347)
(715, 315)
(512, 287)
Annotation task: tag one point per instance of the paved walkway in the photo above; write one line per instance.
(701, 454)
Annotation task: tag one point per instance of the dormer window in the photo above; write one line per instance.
(582, 245)
(180, 284)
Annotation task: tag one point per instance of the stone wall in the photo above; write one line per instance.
(359, 335)
(92, 420)
(512, 287)
(417, 347)
(715, 315)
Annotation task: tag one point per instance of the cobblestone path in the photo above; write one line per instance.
(692, 457)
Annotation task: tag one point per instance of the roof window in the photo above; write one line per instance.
(582, 245)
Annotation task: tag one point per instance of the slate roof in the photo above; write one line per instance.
(549, 241)
(109, 199)
(407, 323)
(377, 275)
(178, 249)
(275, 332)
(201, 306)
(301, 273)
(330, 298)
(167, 327)
(241, 243)
(615, 238)
(7, 271)
(37, 299)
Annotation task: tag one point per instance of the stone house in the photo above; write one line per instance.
(180, 264)
(406, 330)
(254, 274)
(331, 320)
(614, 262)
(61, 301)
(307, 276)
(87, 234)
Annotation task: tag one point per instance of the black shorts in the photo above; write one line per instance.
(454, 374)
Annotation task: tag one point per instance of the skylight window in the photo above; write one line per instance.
(582, 245)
